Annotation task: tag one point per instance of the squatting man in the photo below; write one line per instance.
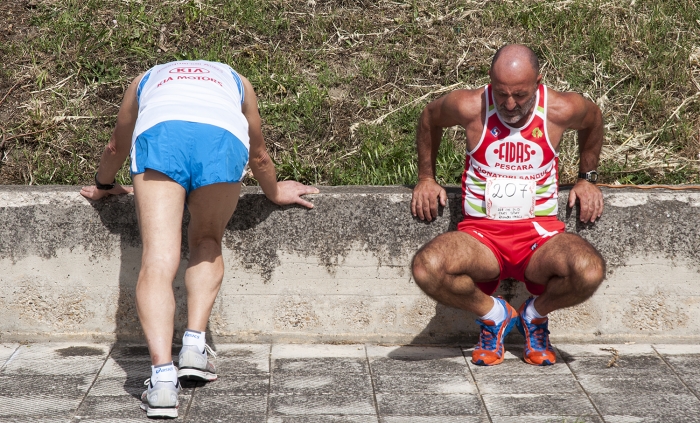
(510, 229)
(191, 128)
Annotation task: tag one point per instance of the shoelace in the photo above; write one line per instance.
(487, 340)
(538, 337)
(148, 381)
(209, 351)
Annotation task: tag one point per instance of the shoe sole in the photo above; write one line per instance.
(509, 328)
(196, 375)
(170, 413)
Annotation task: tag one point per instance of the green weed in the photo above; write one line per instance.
(325, 71)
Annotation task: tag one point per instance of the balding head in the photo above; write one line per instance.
(515, 61)
(515, 78)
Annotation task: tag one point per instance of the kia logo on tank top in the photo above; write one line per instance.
(514, 155)
(189, 70)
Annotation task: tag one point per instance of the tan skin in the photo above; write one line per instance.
(159, 205)
(448, 267)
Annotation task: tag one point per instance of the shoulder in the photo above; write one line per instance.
(464, 104)
(569, 109)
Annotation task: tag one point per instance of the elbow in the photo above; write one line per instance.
(424, 121)
(111, 149)
(260, 160)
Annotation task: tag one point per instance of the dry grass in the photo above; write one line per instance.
(341, 82)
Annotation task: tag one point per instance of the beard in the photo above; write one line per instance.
(513, 116)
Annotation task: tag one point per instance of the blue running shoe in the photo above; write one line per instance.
(490, 351)
(538, 350)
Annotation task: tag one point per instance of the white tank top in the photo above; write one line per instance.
(516, 153)
(192, 91)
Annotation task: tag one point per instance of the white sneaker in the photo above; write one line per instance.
(161, 400)
(195, 365)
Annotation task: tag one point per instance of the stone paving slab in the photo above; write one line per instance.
(401, 404)
(456, 383)
(6, 351)
(335, 404)
(323, 419)
(433, 419)
(263, 383)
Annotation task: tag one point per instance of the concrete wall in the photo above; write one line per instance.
(337, 273)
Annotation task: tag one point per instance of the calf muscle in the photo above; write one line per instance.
(448, 267)
(571, 269)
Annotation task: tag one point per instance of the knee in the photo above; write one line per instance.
(205, 245)
(158, 268)
(427, 268)
(590, 270)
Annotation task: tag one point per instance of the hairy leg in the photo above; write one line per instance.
(211, 208)
(447, 268)
(159, 204)
(570, 268)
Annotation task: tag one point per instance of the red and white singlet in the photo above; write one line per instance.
(506, 153)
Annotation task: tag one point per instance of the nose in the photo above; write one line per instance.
(510, 104)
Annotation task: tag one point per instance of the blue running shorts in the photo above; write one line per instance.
(192, 154)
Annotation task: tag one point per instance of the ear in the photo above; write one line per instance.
(539, 78)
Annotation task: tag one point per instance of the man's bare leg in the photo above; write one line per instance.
(447, 268)
(159, 205)
(571, 269)
(211, 208)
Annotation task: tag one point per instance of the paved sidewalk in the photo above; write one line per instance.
(262, 383)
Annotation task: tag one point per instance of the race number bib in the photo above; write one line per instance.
(510, 199)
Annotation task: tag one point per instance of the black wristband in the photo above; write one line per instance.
(591, 176)
(105, 187)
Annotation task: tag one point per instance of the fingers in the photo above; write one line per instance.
(430, 208)
(84, 192)
(126, 190)
(302, 189)
(420, 207)
(424, 202)
(290, 192)
(572, 199)
(586, 211)
(426, 206)
(302, 202)
(596, 208)
(591, 207)
(91, 193)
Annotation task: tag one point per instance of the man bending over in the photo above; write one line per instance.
(510, 229)
(191, 127)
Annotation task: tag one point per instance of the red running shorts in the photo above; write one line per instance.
(513, 243)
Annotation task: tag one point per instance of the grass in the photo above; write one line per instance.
(341, 82)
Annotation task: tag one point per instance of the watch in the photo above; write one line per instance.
(591, 176)
(105, 187)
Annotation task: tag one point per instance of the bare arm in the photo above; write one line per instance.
(281, 193)
(455, 108)
(117, 149)
(583, 115)
(590, 138)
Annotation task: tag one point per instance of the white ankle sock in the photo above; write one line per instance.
(163, 373)
(195, 338)
(531, 312)
(497, 313)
